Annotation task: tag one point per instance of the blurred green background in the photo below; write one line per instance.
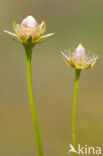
(53, 82)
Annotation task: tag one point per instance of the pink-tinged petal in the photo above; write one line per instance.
(79, 55)
(29, 22)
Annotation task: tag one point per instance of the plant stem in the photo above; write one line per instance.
(28, 50)
(77, 76)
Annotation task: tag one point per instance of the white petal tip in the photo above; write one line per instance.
(62, 53)
(52, 34)
(66, 56)
(13, 36)
(5, 31)
(10, 33)
(42, 23)
(44, 38)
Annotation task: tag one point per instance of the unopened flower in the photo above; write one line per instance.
(79, 59)
(29, 31)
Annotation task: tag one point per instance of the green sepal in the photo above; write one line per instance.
(43, 38)
(13, 36)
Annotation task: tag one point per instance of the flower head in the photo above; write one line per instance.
(78, 59)
(29, 31)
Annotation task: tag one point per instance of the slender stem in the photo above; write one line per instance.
(28, 50)
(77, 76)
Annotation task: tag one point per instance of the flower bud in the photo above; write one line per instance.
(79, 59)
(29, 28)
(29, 31)
(79, 54)
(29, 22)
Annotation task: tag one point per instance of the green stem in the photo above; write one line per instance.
(77, 76)
(28, 50)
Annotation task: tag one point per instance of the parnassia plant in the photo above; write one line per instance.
(29, 33)
(79, 60)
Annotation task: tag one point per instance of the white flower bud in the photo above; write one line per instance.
(29, 31)
(29, 22)
(79, 59)
(79, 54)
(29, 28)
